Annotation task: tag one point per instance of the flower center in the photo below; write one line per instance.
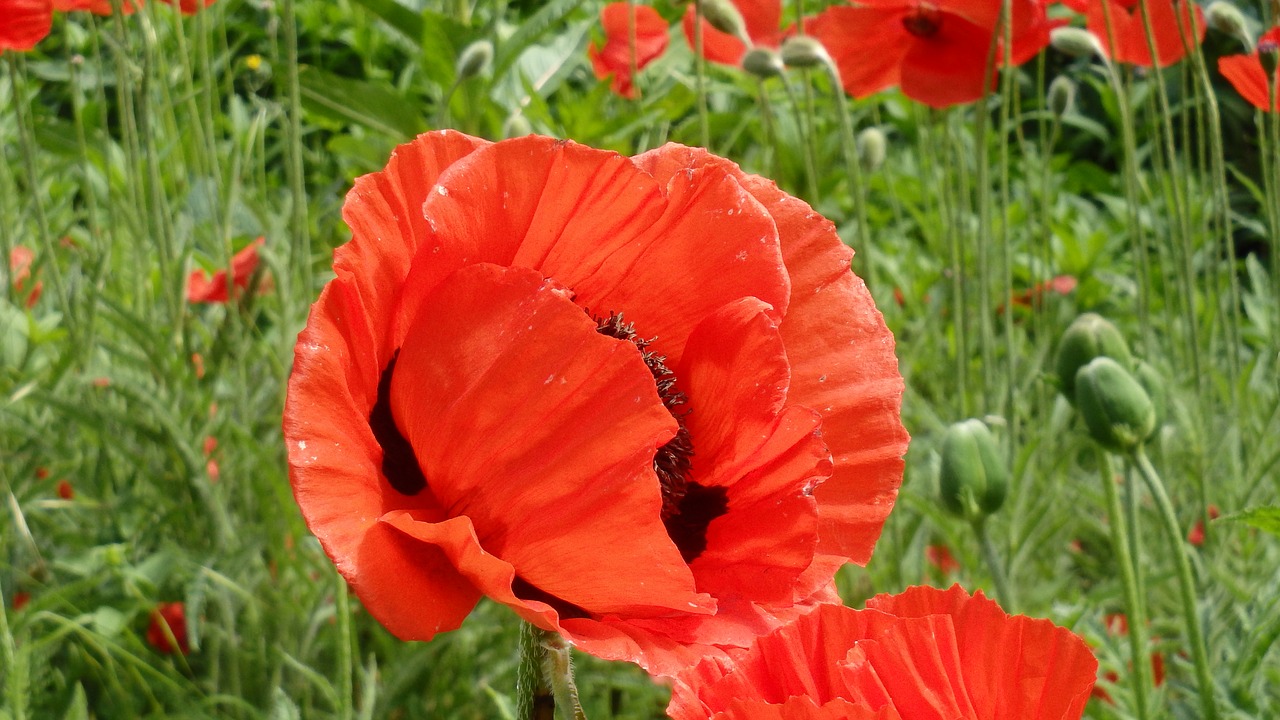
(923, 22)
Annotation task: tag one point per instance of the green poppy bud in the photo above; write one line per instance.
(872, 148)
(1269, 58)
(1225, 17)
(804, 51)
(973, 479)
(516, 125)
(1088, 337)
(1062, 95)
(1075, 42)
(1118, 412)
(763, 62)
(1153, 383)
(475, 58)
(724, 16)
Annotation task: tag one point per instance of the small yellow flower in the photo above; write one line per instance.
(253, 62)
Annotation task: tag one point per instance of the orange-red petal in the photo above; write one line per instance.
(23, 23)
(616, 57)
(1246, 75)
(762, 19)
(844, 32)
(949, 67)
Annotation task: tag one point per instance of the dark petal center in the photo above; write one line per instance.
(526, 590)
(923, 22)
(687, 528)
(399, 463)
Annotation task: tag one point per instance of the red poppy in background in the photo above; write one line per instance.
(762, 18)
(189, 7)
(614, 58)
(201, 288)
(23, 23)
(926, 653)
(1117, 624)
(97, 7)
(1247, 76)
(65, 491)
(173, 616)
(1034, 296)
(935, 51)
(21, 599)
(1127, 42)
(1195, 535)
(641, 401)
(940, 557)
(20, 260)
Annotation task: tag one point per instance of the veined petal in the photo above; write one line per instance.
(1246, 75)
(844, 32)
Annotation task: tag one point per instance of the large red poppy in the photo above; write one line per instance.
(1246, 75)
(935, 51)
(614, 58)
(641, 401)
(762, 18)
(204, 288)
(926, 654)
(23, 23)
(1127, 40)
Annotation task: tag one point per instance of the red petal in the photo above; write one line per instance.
(543, 438)
(614, 58)
(846, 31)
(948, 68)
(762, 18)
(23, 23)
(1246, 75)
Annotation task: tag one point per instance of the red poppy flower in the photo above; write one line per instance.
(201, 288)
(941, 558)
(21, 599)
(1127, 41)
(64, 490)
(23, 23)
(613, 59)
(926, 653)
(20, 259)
(189, 7)
(603, 391)
(1246, 75)
(1195, 535)
(762, 18)
(1060, 284)
(935, 51)
(174, 617)
(97, 7)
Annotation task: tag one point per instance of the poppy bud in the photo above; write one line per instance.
(763, 62)
(973, 479)
(1153, 383)
(1118, 412)
(1088, 337)
(872, 148)
(1076, 42)
(516, 125)
(724, 16)
(1062, 95)
(1268, 57)
(475, 58)
(1226, 18)
(804, 51)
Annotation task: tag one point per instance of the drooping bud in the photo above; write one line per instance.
(872, 148)
(516, 125)
(1225, 17)
(724, 16)
(1062, 95)
(1076, 42)
(804, 51)
(1118, 412)
(763, 62)
(972, 478)
(1268, 56)
(1089, 336)
(1153, 383)
(475, 59)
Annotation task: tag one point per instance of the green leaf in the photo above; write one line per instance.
(1265, 518)
(551, 16)
(400, 18)
(360, 102)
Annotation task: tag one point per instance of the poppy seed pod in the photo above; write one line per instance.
(1119, 413)
(1089, 336)
(804, 51)
(872, 148)
(1076, 42)
(1225, 17)
(763, 62)
(973, 479)
(723, 16)
(475, 58)
(1062, 95)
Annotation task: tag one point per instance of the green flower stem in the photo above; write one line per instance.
(770, 134)
(544, 677)
(16, 671)
(300, 251)
(1120, 545)
(342, 606)
(700, 71)
(1186, 584)
(854, 169)
(802, 127)
(989, 555)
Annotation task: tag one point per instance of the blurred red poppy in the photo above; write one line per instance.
(97, 7)
(20, 600)
(23, 23)
(641, 401)
(201, 288)
(1195, 535)
(1247, 76)
(1127, 40)
(20, 259)
(614, 59)
(926, 653)
(189, 7)
(935, 51)
(941, 558)
(1033, 296)
(762, 18)
(173, 616)
(65, 491)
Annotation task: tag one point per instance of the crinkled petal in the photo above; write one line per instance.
(845, 32)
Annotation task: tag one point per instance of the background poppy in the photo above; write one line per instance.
(1246, 75)
(615, 59)
(23, 23)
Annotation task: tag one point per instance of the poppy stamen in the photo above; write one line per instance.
(923, 22)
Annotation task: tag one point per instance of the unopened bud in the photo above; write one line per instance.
(1089, 336)
(1225, 17)
(804, 51)
(1153, 383)
(1062, 95)
(972, 478)
(1268, 56)
(724, 16)
(872, 148)
(475, 58)
(516, 125)
(1118, 412)
(1076, 42)
(763, 62)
